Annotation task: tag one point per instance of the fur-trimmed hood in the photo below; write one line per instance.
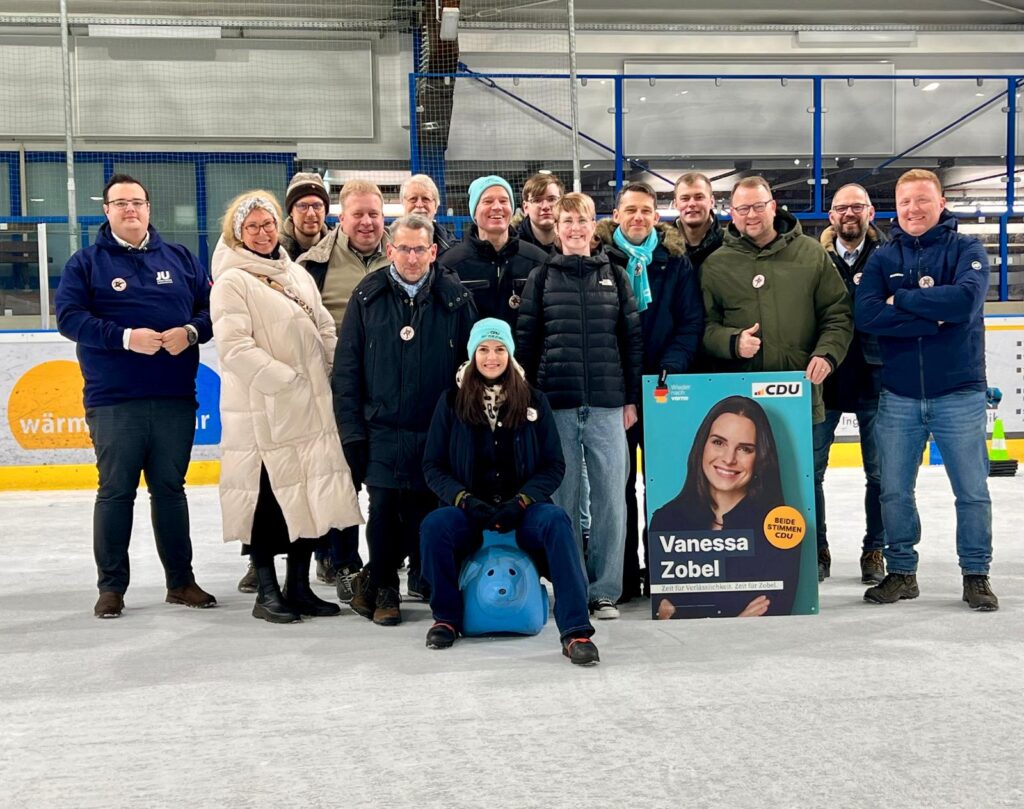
(828, 238)
(669, 236)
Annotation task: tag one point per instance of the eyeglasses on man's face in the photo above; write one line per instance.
(757, 207)
(267, 227)
(121, 204)
(302, 207)
(857, 208)
(416, 250)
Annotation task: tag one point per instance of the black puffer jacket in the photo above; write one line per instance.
(579, 335)
(385, 387)
(493, 276)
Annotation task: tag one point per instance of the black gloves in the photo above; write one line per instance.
(508, 515)
(480, 513)
(357, 456)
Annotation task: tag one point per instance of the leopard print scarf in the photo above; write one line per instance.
(494, 397)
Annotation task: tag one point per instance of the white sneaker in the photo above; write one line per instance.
(604, 609)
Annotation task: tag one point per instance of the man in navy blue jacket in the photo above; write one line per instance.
(671, 320)
(138, 307)
(923, 293)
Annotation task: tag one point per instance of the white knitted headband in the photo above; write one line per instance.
(246, 207)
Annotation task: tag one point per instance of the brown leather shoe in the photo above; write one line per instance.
(191, 595)
(387, 612)
(364, 599)
(109, 605)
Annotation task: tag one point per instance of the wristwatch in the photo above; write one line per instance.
(193, 334)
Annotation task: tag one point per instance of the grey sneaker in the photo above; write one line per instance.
(344, 582)
(604, 609)
(978, 594)
(872, 567)
(894, 586)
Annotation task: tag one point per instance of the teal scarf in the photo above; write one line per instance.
(639, 257)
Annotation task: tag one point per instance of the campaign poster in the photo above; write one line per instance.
(730, 495)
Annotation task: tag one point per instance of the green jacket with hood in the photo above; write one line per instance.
(791, 288)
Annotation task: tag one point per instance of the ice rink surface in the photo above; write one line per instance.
(916, 704)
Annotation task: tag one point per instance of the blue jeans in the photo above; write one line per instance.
(957, 423)
(598, 434)
(142, 435)
(824, 434)
(448, 538)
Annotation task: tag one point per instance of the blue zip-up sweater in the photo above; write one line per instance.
(106, 288)
(932, 337)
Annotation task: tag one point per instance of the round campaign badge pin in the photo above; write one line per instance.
(407, 333)
(531, 414)
(119, 285)
(514, 302)
(926, 282)
(857, 277)
(758, 281)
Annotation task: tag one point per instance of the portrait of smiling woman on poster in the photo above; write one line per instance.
(732, 482)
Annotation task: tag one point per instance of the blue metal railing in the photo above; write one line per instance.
(818, 180)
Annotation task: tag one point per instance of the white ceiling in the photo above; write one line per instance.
(617, 12)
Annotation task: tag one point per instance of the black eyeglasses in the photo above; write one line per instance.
(757, 207)
(267, 227)
(302, 207)
(857, 208)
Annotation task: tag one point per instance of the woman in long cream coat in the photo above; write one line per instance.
(284, 480)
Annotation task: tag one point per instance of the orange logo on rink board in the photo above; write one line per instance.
(784, 527)
(45, 409)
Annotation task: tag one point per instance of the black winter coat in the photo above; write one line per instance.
(385, 387)
(709, 244)
(443, 239)
(857, 382)
(579, 335)
(524, 230)
(456, 451)
(493, 277)
(673, 322)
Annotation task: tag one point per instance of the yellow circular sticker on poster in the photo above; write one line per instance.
(784, 527)
(45, 409)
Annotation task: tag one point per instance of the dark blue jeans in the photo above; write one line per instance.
(447, 539)
(144, 435)
(824, 434)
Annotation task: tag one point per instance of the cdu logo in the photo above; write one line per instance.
(164, 277)
(760, 389)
